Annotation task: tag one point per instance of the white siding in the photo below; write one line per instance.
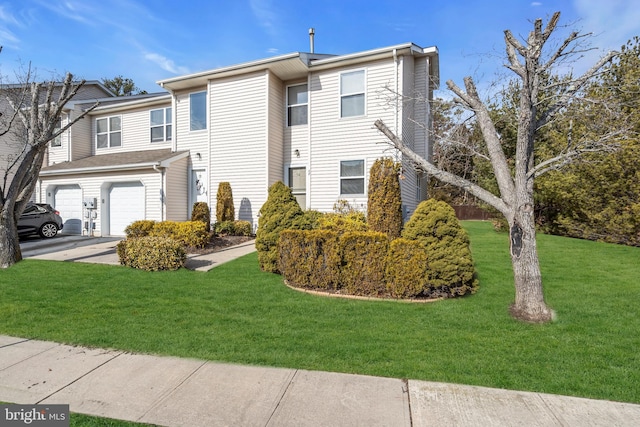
(334, 139)
(276, 119)
(239, 139)
(136, 131)
(176, 182)
(98, 185)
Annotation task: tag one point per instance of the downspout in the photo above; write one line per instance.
(161, 171)
(397, 93)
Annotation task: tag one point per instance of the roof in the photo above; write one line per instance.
(298, 64)
(116, 162)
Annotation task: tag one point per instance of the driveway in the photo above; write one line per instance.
(101, 250)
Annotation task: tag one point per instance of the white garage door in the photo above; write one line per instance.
(126, 204)
(68, 201)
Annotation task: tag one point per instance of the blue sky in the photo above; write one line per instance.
(157, 39)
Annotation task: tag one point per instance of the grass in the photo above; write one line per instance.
(236, 313)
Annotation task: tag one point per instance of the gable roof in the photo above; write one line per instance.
(297, 65)
(116, 162)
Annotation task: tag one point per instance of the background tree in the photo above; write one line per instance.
(38, 109)
(384, 206)
(515, 176)
(121, 86)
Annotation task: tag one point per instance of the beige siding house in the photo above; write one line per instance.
(303, 118)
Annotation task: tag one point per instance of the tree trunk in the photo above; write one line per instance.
(529, 305)
(10, 252)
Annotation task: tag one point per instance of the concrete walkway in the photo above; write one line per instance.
(168, 391)
(102, 250)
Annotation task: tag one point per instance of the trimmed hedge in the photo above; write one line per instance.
(151, 253)
(139, 228)
(343, 222)
(188, 233)
(225, 210)
(384, 205)
(407, 270)
(234, 228)
(363, 262)
(310, 259)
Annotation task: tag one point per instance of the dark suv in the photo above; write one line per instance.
(39, 218)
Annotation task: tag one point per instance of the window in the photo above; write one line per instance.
(297, 99)
(352, 94)
(198, 110)
(109, 132)
(352, 177)
(160, 121)
(57, 141)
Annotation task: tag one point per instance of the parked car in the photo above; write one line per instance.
(39, 218)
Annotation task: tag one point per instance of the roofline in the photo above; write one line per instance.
(127, 104)
(107, 168)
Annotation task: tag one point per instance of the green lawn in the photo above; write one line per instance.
(235, 313)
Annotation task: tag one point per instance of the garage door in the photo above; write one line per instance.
(126, 204)
(68, 201)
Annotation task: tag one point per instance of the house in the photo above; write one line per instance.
(303, 118)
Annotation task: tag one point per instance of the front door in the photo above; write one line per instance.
(298, 184)
(199, 187)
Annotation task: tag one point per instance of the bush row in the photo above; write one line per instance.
(187, 233)
(151, 253)
(233, 228)
(362, 263)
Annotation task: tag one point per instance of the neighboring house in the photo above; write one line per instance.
(303, 118)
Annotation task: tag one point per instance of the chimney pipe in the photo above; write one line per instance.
(311, 34)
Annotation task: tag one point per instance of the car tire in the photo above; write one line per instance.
(48, 230)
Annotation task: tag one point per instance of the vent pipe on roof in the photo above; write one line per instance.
(311, 34)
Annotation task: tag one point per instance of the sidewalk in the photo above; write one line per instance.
(102, 250)
(168, 391)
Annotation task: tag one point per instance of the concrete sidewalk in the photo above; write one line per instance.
(169, 391)
(102, 250)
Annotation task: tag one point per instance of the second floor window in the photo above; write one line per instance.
(109, 132)
(297, 99)
(57, 141)
(352, 93)
(160, 121)
(198, 111)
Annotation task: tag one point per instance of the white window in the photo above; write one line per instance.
(352, 94)
(352, 177)
(57, 141)
(160, 122)
(297, 101)
(109, 132)
(198, 111)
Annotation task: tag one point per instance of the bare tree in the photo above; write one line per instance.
(516, 182)
(36, 112)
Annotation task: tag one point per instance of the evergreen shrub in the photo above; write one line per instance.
(225, 210)
(407, 269)
(151, 253)
(187, 233)
(278, 213)
(202, 213)
(363, 262)
(310, 259)
(343, 222)
(435, 226)
(139, 228)
(384, 205)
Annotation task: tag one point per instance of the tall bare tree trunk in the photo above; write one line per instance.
(10, 253)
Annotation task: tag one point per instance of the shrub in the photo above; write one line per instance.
(278, 213)
(151, 253)
(139, 228)
(225, 211)
(309, 220)
(407, 270)
(384, 205)
(187, 233)
(363, 262)
(435, 226)
(310, 258)
(343, 222)
(201, 213)
(234, 228)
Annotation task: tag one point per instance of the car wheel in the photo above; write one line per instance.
(48, 230)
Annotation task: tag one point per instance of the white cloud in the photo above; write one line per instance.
(612, 22)
(266, 14)
(166, 63)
